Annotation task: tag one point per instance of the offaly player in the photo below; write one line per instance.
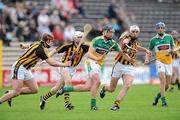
(162, 44)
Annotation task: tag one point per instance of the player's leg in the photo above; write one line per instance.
(161, 73)
(53, 90)
(66, 73)
(174, 75)
(30, 87)
(95, 78)
(16, 86)
(178, 76)
(109, 88)
(115, 75)
(127, 82)
(18, 76)
(78, 88)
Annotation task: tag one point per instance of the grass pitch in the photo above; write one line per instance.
(137, 105)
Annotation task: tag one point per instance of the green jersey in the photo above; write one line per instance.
(161, 46)
(102, 46)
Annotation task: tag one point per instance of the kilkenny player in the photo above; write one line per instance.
(66, 73)
(176, 62)
(124, 68)
(22, 78)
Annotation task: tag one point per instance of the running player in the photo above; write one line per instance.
(22, 78)
(162, 44)
(176, 62)
(66, 73)
(96, 55)
(123, 68)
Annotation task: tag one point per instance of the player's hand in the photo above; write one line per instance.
(22, 45)
(146, 62)
(68, 64)
(149, 53)
(133, 50)
(134, 62)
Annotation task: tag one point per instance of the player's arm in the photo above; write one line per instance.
(24, 46)
(148, 56)
(43, 55)
(92, 51)
(52, 52)
(124, 54)
(55, 63)
(142, 49)
(90, 54)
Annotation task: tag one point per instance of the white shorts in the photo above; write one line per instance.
(92, 67)
(176, 62)
(71, 70)
(119, 70)
(20, 73)
(166, 68)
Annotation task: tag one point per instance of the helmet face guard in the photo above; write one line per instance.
(47, 40)
(108, 31)
(77, 37)
(160, 25)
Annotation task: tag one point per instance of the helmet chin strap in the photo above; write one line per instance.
(45, 44)
(161, 34)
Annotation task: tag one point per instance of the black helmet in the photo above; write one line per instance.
(46, 39)
(108, 28)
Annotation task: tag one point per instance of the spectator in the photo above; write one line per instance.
(58, 36)
(68, 32)
(112, 9)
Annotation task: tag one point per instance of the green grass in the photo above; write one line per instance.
(136, 106)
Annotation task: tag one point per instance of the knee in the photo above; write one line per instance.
(35, 90)
(88, 88)
(16, 92)
(112, 89)
(98, 82)
(127, 86)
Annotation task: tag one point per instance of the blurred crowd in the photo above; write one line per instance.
(25, 21)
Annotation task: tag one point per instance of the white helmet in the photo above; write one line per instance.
(77, 34)
(134, 28)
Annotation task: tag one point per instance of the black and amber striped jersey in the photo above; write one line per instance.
(177, 45)
(34, 53)
(69, 49)
(125, 44)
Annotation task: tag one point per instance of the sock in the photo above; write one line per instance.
(163, 99)
(66, 98)
(47, 95)
(93, 102)
(116, 103)
(158, 95)
(68, 89)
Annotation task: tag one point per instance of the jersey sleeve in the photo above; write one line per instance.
(172, 42)
(116, 47)
(62, 48)
(85, 48)
(151, 45)
(41, 53)
(94, 43)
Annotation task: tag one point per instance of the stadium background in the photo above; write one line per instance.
(21, 22)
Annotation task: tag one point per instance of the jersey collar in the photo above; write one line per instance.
(157, 36)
